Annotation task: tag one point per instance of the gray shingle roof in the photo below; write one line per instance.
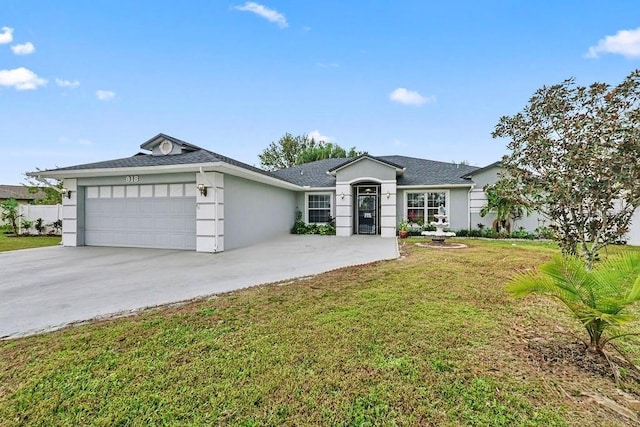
(430, 172)
(145, 160)
(418, 172)
(19, 192)
(141, 160)
(314, 174)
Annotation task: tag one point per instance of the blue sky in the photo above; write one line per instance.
(84, 81)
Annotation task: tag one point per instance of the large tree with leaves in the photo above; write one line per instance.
(295, 150)
(574, 154)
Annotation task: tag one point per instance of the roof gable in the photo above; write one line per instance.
(351, 161)
(162, 144)
(497, 164)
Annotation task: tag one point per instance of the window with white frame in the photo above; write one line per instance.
(422, 206)
(318, 208)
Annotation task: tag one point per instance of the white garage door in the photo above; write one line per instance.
(143, 216)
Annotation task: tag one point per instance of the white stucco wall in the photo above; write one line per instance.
(633, 236)
(255, 212)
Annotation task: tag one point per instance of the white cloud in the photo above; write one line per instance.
(23, 49)
(67, 83)
(624, 42)
(105, 95)
(86, 142)
(315, 134)
(6, 36)
(410, 97)
(21, 78)
(328, 64)
(270, 15)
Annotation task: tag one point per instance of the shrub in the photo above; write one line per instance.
(490, 233)
(26, 225)
(300, 227)
(545, 233)
(57, 226)
(40, 226)
(462, 232)
(524, 234)
(9, 213)
(475, 233)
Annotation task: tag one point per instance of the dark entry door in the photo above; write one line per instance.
(367, 214)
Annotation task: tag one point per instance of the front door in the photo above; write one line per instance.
(367, 214)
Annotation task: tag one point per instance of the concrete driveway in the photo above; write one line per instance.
(47, 288)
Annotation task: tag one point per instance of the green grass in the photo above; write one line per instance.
(432, 339)
(12, 243)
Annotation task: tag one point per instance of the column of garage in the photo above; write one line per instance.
(210, 213)
(71, 229)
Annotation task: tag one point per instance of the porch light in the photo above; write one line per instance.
(342, 195)
(66, 192)
(388, 194)
(202, 189)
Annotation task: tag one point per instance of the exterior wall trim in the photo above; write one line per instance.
(437, 186)
(368, 179)
(149, 170)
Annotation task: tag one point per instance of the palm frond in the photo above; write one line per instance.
(597, 298)
(617, 274)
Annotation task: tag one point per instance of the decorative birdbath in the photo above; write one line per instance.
(438, 237)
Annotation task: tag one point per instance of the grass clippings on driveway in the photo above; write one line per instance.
(12, 243)
(432, 339)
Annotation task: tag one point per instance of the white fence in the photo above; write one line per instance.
(48, 213)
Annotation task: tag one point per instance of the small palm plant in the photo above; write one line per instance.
(597, 297)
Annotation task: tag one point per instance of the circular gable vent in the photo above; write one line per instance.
(166, 147)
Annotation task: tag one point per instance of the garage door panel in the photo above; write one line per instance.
(143, 221)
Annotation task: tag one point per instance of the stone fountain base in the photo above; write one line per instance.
(439, 236)
(443, 245)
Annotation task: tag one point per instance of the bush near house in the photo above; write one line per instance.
(301, 227)
(540, 233)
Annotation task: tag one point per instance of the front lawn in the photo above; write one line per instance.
(431, 339)
(12, 243)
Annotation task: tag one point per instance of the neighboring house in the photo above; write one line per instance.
(20, 193)
(181, 196)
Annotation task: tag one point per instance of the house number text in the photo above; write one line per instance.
(131, 178)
